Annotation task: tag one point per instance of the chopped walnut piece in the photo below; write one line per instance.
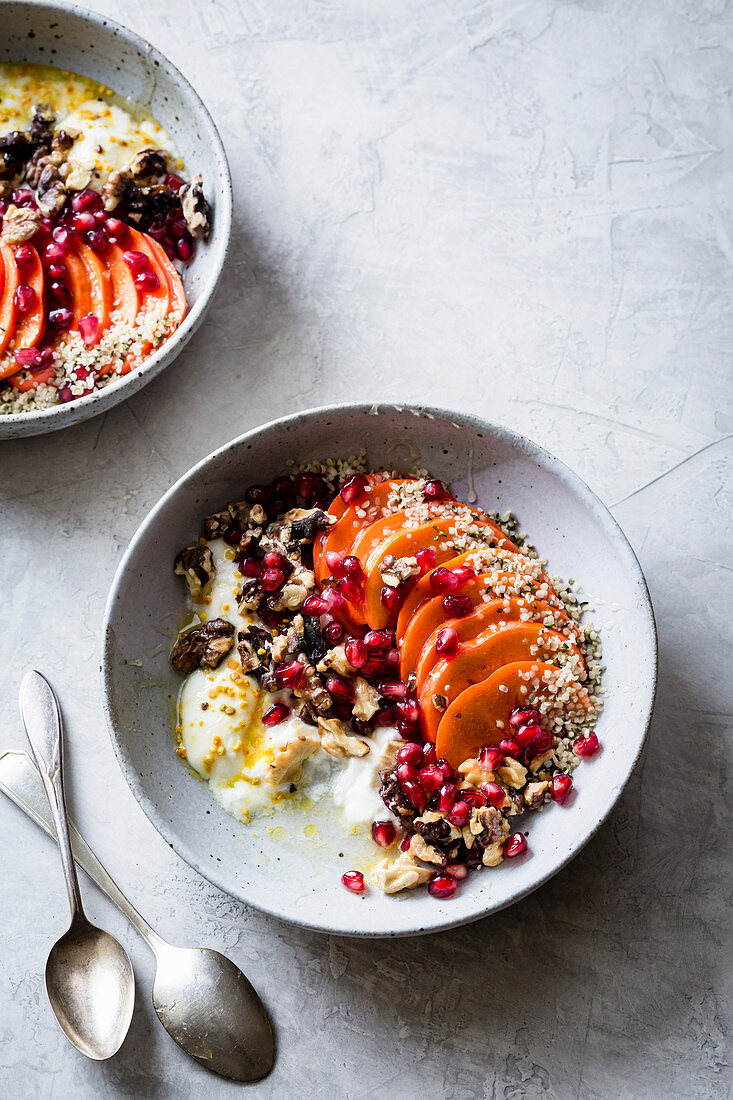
(203, 648)
(435, 828)
(19, 223)
(279, 648)
(388, 759)
(426, 852)
(285, 768)
(295, 591)
(395, 571)
(196, 564)
(196, 210)
(493, 855)
(487, 825)
(401, 874)
(473, 773)
(512, 773)
(305, 523)
(312, 691)
(535, 794)
(335, 661)
(148, 164)
(337, 742)
(538, 762)
(366, 699)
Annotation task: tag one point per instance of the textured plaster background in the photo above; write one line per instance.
(519, 209)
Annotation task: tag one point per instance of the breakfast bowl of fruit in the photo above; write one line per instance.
(384, 692)
(115, 215)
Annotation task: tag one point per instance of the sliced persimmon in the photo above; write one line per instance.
(8, 287)
(480, 714)
(29, 329)
(100, 284)
(340, 537)
(417, 648)
(125, 295)
(480, 658)
(154, 301)
(177, 295)
(79, 287)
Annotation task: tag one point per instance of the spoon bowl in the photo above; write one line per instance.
(91, 988)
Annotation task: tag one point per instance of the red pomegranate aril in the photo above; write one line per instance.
(27, 357)
(449, 772)
(442, 885)
(61, 292)
(543, 744)
(588, 745)
(353, 488)
(474, 798)
(89, 329)
(428, 754)
(351, 590)
(516, 843)
(63, 235)
(527, 735)
(405, 842)
(523, 716)
(459, 871)
(392, 689)
(392, 660)
(378, 640)
(457, 606)
(147, 279)
(284, 488)
(509, 748)
(339, 688)
(289, 675)
(459, 814)
(426, 559)
(408, 710)
(334, 599)
(250, 567)
(83, 222)
(411, 753)
(86, 200)
(315, 606)
(136, 261)
(407, 773)
(560, 788)
(272, 579)
(258, 494)
(23, 256)
(415, 794)
(65, 394)
(57, 271)
(60, 319)
(173, 182)
(334, 632)
(23, 197)
(100, 217)
(352, 567)
(334, 562)
(25, 299)
(446, 643)
(391, 598)
(184, 249)
(448, 793)
(407, 730)
(490, 757)
(385, 717)
(464, 573)
(98, 241)
(430, 778)
(117, 231)
(435, 490)
(474, 857)
(383, 833)
(54, 253)
(354, 881)
(442, 580)
(495, 793)
(356, 652)
(306, 485)
(273, 560)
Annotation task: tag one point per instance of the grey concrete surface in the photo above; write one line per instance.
(521, 209)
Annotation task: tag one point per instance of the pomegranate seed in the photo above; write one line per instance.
(86, 200)
(339, 689)
(385, 717)
(334, 562)
(98, 241)
(527, 735)
(334, 632)
(428, 754)
(24, 256)
(509, 748)
(3, 207)
(89, 329)
(378, 640)
(408, 710)
(117, 231)
(407, 730)
(407, 773)
(306, 485)
(588, 745)
(275, 714)
(430, 778)
(494, 793)
(351, 590)
(392, 660)
(258, 494)
(57, 271)
(442, 580)
(83, 222)
(561, 787)
(184, 249)
(136, 261)
(63, 235)
(100, 217)
(289, 675)
(315, 606)
(250, 567)
(272, 579)
(25, 299)
(334, 599)
(459, 814)
(147, 279)
(65, 394)
(405, 842)
(284, 488)
(60, 292)
(374, 665)
(392, 689)
(411, 753)
(446, 643)
(449, 772)
(173, 182)
(473, 857)
(356, 652)
(435, 490)
(543, 744)
(523, 716)
(459, 871)
(23, 197)
(426, 559)
(54, 253)
(391, 598)
(442, 885)
(457, 606)
(60, 319)
(464, 573)
(353, 488)
(474, 798)
(415, 794)
(516, 843)
(27, 357)
(273, 560)
(354, 881)
(383, 833)
(448, 794)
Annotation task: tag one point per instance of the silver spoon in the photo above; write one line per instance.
(202, 999)
(89, 978)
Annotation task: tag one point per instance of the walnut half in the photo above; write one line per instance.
(404, 873)
(337, 742)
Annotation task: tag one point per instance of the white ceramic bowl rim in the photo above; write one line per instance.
(219, 245)
(181, 846)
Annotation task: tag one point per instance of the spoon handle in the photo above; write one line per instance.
(21, 782)
(41, 716)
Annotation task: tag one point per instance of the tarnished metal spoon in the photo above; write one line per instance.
(89, 978)
(202, 999)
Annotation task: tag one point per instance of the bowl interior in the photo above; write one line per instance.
(284, 871)
(89, 44)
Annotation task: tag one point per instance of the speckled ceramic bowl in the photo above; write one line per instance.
(276, 863)
(90, 44)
